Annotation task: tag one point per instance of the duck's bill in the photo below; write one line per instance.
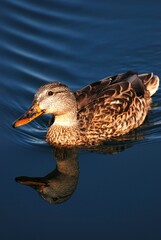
(35, 183)
(33, 112)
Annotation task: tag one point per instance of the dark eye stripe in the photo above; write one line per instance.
(50, 93)
(59, 92)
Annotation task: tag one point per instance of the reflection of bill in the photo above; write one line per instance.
(60, 184)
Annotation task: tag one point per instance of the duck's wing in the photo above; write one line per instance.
(116, 109)
(117, 96)
(104, 87)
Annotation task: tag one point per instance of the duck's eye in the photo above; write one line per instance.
(50, 93)
(55, 199)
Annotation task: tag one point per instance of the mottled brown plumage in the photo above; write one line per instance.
(102, 110)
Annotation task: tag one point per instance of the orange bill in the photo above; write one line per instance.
(36, 183)
(33, 112)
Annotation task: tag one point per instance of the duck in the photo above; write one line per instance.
(99, 112)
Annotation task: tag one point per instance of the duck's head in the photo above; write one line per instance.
(53, 98)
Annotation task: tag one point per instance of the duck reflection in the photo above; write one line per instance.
(57, 186)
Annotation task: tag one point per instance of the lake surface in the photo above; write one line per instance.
(114, 193)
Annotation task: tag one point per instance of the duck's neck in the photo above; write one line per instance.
(66, 120)
(64, 131)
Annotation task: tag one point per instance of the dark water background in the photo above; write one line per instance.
(118, 196)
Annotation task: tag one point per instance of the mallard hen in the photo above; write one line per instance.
(100, 111)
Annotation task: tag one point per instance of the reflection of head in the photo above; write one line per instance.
(60, 184)
(55, 190)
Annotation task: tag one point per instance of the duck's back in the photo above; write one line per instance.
(115, 105)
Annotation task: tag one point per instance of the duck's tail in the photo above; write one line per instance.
(150, 81)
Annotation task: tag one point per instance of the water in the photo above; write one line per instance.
(112, 196)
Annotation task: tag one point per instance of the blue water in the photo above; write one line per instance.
(117, 196)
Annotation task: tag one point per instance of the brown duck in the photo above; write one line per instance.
(100, 111)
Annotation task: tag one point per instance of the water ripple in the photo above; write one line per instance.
(62, 10)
